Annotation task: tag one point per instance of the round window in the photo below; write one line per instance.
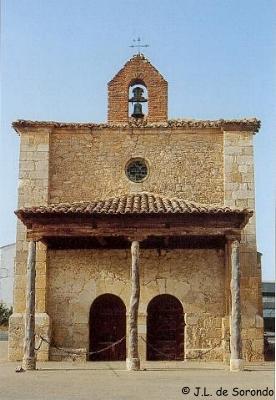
(136, 170)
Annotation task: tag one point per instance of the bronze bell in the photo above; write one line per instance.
(138, 99)
(137, 112)
(138, 95)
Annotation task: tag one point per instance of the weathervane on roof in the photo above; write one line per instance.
(137, 43)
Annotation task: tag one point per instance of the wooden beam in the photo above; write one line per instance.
(153, 242)
(29, 359)
(102, 241)
(40, 232)
(223, 220)
(133, 361)
(236, 361)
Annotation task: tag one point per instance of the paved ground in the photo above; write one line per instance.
(3, 335)
(109, 381)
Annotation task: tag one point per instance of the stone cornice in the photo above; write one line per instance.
(250, 124)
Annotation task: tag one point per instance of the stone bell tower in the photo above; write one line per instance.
(137, 71)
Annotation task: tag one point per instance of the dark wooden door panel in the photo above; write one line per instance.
(107, 326)
(165, 329)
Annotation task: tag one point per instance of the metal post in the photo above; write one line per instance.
(236, 361)
(29, 359)
(133, 361)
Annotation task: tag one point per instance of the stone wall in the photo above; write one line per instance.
(203, 165)
(195, 277)
(33, 187)
(91, 164)
(240, 192)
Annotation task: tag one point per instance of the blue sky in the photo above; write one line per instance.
(217, 55)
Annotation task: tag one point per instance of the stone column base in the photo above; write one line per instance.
(236, 365)
(133, 364)
(29, 363)
(17, 331)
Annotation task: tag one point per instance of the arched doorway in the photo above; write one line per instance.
(107, 324)
(165, 329)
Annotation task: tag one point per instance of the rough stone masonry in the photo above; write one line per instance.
(206, 162)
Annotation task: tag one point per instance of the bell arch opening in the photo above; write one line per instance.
(165, 329)
(138, 99)
(107, 325)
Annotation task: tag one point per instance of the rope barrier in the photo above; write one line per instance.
(187, 358)
(40, 343)
(158, 351)
(167, 357)
(77, 353)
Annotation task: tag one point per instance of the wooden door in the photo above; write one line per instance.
(107, 326)
(165, 329)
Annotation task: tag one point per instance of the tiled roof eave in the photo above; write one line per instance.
(132, 204)
(24, 212)
(247, 124)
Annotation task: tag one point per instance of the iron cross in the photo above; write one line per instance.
(137, 43)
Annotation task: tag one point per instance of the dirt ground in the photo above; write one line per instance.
(110, 381)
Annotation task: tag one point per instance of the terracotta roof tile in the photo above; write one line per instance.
(138, 203)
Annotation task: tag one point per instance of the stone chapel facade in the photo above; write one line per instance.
(180, 191)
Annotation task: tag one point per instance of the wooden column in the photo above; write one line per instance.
(133, 361)
(236, 361)
(29, 358)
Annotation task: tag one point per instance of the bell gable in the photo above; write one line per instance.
(137, 71)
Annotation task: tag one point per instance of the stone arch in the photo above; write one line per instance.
(165, 328)
(107, 325)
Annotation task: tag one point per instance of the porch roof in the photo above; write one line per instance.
(138, 203)
(140, 215)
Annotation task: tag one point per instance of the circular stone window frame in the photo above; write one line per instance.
(130, 161)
